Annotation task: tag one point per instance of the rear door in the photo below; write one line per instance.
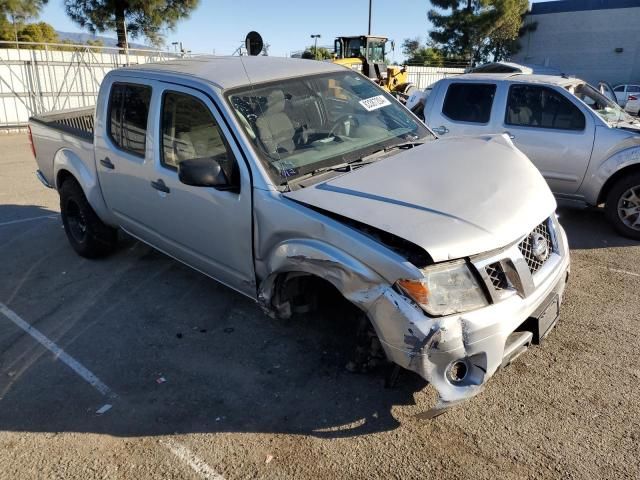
(461, 108)
(556, 133)
(121, 146)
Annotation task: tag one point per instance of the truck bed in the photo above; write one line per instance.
(76, 121)
(65, 133)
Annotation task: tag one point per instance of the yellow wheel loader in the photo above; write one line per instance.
(366, 53)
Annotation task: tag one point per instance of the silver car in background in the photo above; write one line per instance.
(583, 143)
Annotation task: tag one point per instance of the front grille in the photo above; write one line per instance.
(497, 276)
(527, 248)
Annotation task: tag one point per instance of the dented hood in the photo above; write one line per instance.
(454, 197)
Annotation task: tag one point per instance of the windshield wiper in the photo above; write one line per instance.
(346, 166)
(403, 146)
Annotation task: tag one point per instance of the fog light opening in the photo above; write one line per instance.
(457, 371)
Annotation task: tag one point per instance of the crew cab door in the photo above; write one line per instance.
(553, 130)
(461, 108)
(208, 228)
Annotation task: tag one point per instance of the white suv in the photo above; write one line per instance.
(623, 92)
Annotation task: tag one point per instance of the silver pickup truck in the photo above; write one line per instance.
(585, 145)
(272, 175)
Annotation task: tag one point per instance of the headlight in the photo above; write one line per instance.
(445, 289)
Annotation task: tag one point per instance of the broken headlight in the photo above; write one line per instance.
(445, 289)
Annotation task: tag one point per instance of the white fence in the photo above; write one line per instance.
(424, 77)
(60, 76)
(34, 81)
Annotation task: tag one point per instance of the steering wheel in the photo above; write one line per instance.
(348, 122)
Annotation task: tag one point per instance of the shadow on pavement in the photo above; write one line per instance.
(588, 228)
(139, 316)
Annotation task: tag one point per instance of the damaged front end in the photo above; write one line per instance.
(457, 345)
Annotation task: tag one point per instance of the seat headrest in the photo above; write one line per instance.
(275, 101)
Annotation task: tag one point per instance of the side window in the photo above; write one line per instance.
(619, 89)
(128, 114)
(633, 89)
(469, 102)
(542, 107)
(189, 131)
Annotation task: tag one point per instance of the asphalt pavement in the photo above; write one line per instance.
(136, 366)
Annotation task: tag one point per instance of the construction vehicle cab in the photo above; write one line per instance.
(367, 54)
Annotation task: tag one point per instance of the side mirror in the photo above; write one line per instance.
(203, 172)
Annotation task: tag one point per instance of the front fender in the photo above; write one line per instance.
(615, 163)
(357, 282)
(67, 160)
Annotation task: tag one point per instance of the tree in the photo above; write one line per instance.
(418, 54)
(137, 18)
(475, 29)
(13, 14)
(310, 53)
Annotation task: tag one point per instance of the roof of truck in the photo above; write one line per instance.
(230, 72)
(519, 77)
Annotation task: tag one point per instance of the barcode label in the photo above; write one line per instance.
(374, 103)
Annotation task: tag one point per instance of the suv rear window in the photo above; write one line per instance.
(469, 102)
(128, 113)
(541, 107)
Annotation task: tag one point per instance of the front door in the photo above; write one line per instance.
(208, 228)
(552, 131)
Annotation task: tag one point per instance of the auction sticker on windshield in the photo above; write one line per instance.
(374, 103)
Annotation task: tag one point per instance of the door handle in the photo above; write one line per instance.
(442, 130)
(105, 162)
(160, 186)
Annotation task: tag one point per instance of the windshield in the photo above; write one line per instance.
(303, 124)
(607, 109)
(376, 51)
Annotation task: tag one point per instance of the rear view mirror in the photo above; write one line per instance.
(203, 172)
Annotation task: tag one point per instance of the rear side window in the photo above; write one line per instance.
(633, 89)
(128, 114)
(469, 102)
(542, 107)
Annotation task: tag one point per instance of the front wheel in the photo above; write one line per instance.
(88, 236)
(623, 206)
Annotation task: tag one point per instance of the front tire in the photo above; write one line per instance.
(623, 206)
(87, 234)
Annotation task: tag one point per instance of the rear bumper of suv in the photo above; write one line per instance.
(459, 353)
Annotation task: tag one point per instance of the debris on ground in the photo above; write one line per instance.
(229, 330)
(104, 409)
(160, 380)
(178, 335)
(267, 460)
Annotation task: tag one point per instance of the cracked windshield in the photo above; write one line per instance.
(303, 125)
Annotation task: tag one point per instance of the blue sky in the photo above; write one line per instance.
(221, 25)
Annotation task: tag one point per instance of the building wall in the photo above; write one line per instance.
(583, 43)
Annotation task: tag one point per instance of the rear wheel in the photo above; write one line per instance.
(88, 236)
(623, 206)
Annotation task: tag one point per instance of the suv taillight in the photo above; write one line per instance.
(33, 148)
(632, 97)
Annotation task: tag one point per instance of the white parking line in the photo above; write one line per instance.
(633, 274)
(196, 463)
(64, 357)
(31, 219)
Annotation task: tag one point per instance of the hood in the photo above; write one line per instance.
(454, 197)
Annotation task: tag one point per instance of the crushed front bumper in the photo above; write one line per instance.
(480, 342)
